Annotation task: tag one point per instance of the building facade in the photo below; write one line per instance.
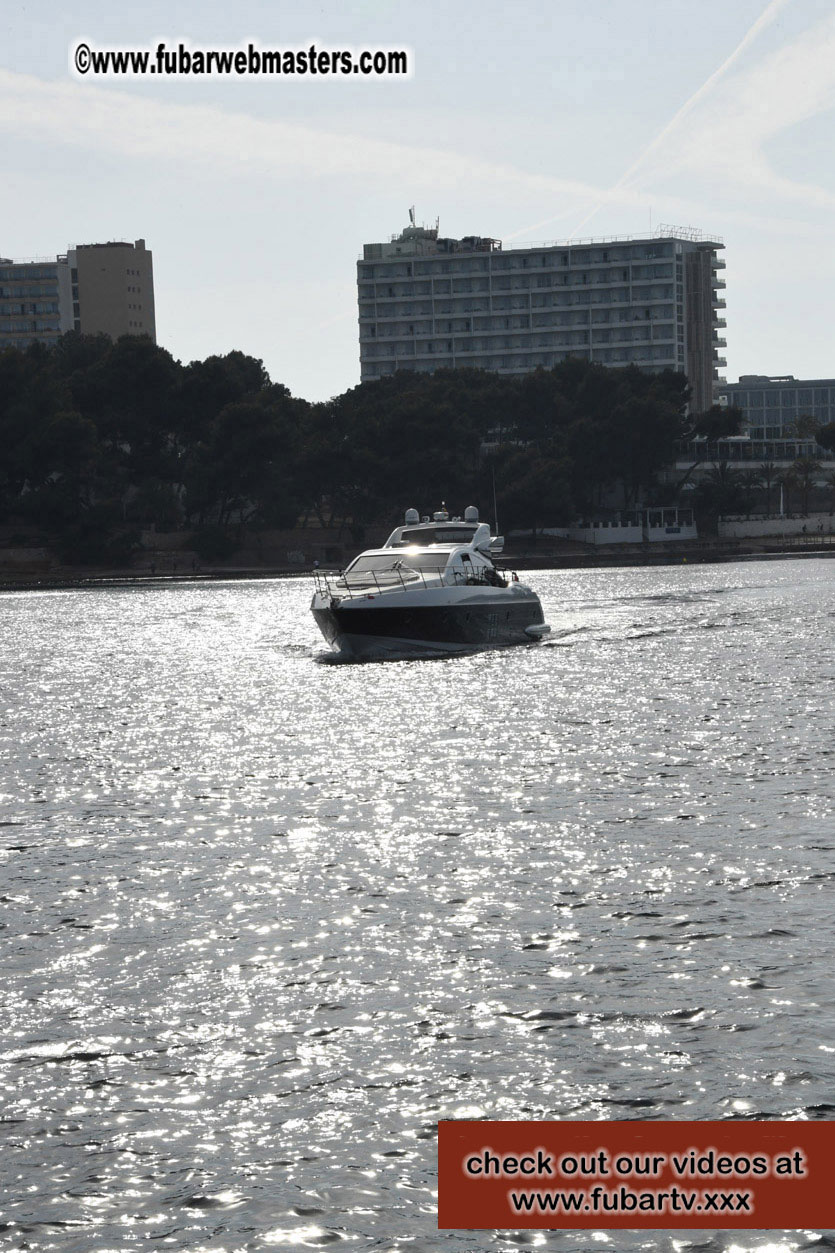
(773, 405)
(781, 413)
(427, 303)
(93, 288)
(31, 306)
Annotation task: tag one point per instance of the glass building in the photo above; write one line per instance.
(772, 406)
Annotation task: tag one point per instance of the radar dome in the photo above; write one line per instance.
(412, 516)
(471, 514)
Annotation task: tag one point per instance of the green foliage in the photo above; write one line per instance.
(155, 503)
(800, 478)
(213, 543)
(806, 426)
(100, 437)
(750, 482)
(721, 491)
(98, 538)
(718, 422)
(825, 436)
(533, 488)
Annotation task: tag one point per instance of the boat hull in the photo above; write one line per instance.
(369, 627)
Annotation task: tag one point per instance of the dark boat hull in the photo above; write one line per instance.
(361, 630)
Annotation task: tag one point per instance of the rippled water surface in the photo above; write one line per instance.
(265, 920)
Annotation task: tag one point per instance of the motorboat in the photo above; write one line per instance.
(433, 588)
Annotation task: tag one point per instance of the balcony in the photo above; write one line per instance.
(720, 282)
(719, 302)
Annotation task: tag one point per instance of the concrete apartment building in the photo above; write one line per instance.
(427, 303)
(93, 288)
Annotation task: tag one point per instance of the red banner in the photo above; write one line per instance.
(722, 1175)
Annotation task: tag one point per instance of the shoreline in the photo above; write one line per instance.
(700, 554)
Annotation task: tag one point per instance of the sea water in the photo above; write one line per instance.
(266, 920)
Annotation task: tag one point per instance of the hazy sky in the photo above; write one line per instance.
(530, 121)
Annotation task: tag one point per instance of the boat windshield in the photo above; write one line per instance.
(437, 535)
(399, 561)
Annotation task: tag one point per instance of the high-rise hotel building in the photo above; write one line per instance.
(93, 288)
(427, 303)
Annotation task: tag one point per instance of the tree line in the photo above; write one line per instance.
(103, 439)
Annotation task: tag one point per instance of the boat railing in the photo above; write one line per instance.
(345, 585)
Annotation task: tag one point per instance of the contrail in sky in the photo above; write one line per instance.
(767, 16)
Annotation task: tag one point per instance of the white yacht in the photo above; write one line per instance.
(432, 588)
